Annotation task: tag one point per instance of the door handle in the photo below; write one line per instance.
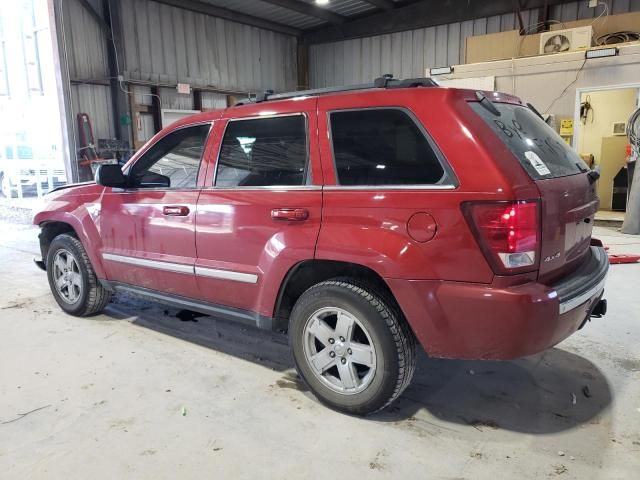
(290, 214)
(175, 211)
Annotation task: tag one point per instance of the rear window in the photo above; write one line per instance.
(540, 150)
(382, 147)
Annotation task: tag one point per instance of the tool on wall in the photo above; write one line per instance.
(585, 109)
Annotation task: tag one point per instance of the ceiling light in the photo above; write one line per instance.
(441, 70)
(322, 2)
(602, 52)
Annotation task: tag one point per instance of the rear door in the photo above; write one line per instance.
(259, 213)
(391, 200)
(569, 200)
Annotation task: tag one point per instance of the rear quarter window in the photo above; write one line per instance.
(538, 148)
(383, 146)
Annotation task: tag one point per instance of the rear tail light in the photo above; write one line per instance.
(508, 233)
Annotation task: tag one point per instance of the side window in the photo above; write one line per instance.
(173, 162)
(382, 147)
(263, 152)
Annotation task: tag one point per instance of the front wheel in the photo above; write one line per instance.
(351, 346)
(72, 280)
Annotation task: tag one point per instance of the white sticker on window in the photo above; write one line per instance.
(537, 163)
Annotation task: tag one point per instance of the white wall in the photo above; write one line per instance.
(549, 82)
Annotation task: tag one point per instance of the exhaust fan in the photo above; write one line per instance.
(559, 41)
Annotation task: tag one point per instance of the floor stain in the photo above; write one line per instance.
(291, 381)
(377, 464)
(628, 364)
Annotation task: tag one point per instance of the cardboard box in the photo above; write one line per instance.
(500, 46)
(587, 158)
(510, 44)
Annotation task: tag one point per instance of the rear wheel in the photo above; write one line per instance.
(351, 346)
(72, 280)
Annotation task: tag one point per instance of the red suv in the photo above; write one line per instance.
(359, 219)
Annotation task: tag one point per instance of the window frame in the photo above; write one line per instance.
(448, 181)
(308, 181)
(147, 149)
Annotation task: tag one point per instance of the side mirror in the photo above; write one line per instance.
(111, 176)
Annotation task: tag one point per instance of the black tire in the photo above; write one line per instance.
(93, 297)
(386, 328)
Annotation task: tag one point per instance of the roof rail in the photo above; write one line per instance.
(385, 81)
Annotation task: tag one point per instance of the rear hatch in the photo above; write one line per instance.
(568, 199)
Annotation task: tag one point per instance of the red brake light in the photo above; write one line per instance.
(508, 232)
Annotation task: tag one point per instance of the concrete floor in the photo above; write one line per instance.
(138, 393)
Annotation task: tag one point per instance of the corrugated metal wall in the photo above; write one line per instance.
(164, 44)
(407, 54)
(211, 101)
(94, 100)
(86, 51)
(85, 43)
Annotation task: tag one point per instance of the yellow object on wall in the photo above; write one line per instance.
(566, 127)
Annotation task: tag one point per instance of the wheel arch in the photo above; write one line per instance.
(51, 228)
(307, 273)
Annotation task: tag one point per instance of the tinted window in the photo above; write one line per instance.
(263, 152)
(382, 147)
(539, 149)
(173, 162)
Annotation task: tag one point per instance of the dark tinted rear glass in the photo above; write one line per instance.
(540, 150)
(382, 147)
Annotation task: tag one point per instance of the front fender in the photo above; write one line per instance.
(82, 213)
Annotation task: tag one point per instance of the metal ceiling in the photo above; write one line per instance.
(271, 12)
(286, 12)
(343, 19)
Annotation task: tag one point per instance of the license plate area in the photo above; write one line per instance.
(577, 237)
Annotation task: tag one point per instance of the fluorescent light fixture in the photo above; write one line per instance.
(440, 70)
(322, 2)
(601, 52)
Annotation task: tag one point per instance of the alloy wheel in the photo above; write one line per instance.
(339, 350)
(67, 276)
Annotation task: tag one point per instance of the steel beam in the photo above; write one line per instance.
(96, 16)
(382, 4)
(115, 49)
(310, 10)
(208, 9)
(426, 13)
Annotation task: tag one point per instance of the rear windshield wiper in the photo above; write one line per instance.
(486, 103)
(535, 110)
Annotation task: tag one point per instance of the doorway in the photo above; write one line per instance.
(31, 155)
(600, 138)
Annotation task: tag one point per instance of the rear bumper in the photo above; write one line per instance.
(475, 321)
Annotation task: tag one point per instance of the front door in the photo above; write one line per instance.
(259, 213)
(148, 229)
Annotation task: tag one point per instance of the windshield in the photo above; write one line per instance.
(538, 148)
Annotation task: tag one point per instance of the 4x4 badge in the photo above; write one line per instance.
(552, 257)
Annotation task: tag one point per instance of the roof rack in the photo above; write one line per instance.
(385, 81)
